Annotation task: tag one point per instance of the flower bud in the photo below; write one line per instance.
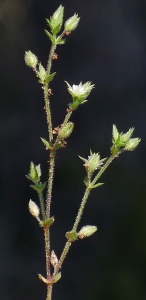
(86, 231)
(65, 131)
(115, 133)
(126, 136)
(34, 209)
(41, 74)
(132, 144)
(93, 162)
(30, 59)
(53, 259)
(72, 23)
(56, 20)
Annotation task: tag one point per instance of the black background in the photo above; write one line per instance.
(109, 49)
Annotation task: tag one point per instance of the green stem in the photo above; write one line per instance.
(47, 251)
(40, 194)
(50, 173)
(62, 257)
(49, 292)
(49, 63)
(48, 112)
(67, 117)
(77, 220)
(102, 170)
(81, 209)
(50, 183)
(46, 94)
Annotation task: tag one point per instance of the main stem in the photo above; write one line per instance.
(51, 163)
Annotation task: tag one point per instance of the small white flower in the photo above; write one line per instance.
(81, 90)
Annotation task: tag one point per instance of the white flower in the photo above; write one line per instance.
(81, 90)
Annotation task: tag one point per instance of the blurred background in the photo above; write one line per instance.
(109, 49)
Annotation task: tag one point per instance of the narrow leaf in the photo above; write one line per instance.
(51, 37)
(47, 222)
(50, 77)
(57, 277)
(96, 185)
(46, 143)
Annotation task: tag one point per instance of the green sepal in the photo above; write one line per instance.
(95, 185)
(47, 223)
(54, 30)
(47, 144)
(57, 277)
(51, 37)
(71, 235)
(33, 173)
(76, 102)
(50, 77)
(48, 22)
(39, 187)
(41, 74)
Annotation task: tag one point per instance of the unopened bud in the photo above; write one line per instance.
(54, 259)
(86, 231)
(30, 59)
(132, 144)
(55, 22)
(34, 209)
(72, 23)
(65, 131)
(41, 73)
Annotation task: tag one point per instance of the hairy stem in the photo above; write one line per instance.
(50, 183)
(50, 173)
(49, 292)
(40, 194)
(81, 209)
(47, 251)
(102, 170)
(48, 112)
(49, 63)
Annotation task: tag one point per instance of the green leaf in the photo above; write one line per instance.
(60, 41)
(47, 222)
(72, 235)
(96, 185)
(50, 77)
(47, 144)
(39, 187)
(57, 277)
(51, 37)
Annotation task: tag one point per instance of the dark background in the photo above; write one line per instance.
(109, 49)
